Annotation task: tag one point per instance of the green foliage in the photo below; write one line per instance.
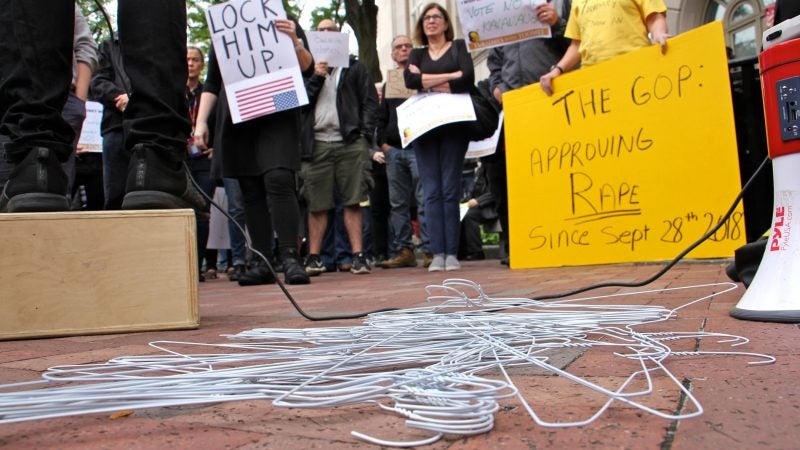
(335, 12)
(95, 18)
(490, 238)
(292, 9)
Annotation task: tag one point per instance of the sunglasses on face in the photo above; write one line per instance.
(328, 29)
(401, 46)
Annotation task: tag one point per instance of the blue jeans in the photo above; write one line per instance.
(236, 210)
(440, 156)
(403, 174)
(36, 44)
(335, 244)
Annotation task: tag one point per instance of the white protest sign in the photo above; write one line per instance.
(331, 47)
(491, 23)
(258, 62)
(91, 140)
(424, 112)
(488, 146)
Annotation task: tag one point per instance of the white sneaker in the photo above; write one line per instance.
(437, 265)
(451, 263)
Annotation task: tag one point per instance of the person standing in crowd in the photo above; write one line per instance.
(482, 210)
(233, 193)
(263, 154)
(109, 87)
(603, 30)
(511, 67)
(36, 44)
(344, 106)
(441, 65)
(84, 63)
(401, 168)
(377, 232)
(199, 160)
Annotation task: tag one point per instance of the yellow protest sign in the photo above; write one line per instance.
(629, 160)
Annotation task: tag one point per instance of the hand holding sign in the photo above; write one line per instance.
(255, 46)
(330, 47)
(631, 160)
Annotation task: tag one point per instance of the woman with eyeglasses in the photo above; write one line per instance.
(441, 65)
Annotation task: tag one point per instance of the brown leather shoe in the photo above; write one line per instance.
(404, 258)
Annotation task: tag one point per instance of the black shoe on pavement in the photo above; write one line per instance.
(238, 271)
(475, 256)
(314, 265)
(293, 271)
(360, 265)
(156, 182)
(36, 184)
(257, 274)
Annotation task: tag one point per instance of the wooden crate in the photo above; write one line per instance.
(81, 273)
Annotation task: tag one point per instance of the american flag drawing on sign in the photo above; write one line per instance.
(267, 98)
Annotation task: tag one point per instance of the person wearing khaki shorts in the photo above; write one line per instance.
(345, 105)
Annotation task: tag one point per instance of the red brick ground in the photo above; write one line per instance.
(746, 407)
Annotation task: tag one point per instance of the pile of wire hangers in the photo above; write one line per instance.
(443, 367)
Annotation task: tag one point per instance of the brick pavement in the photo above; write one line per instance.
(745, 406)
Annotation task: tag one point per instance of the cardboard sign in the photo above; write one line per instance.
(91, 139)
(491, 23)
(331, 47)
(258, 63)
(629, 160)
(424, 112)
(396, 85)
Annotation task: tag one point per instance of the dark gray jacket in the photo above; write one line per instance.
(519, 64)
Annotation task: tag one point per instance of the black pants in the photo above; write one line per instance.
(271, 200)
(380, 210)
(36, 70)
(495, 166)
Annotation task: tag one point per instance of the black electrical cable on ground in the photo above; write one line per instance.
(271, 269)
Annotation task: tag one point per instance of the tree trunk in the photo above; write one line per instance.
(363, 17)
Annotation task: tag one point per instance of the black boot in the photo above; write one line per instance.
(36, 184)
(238, 271)
(258, 273)
(157, 182)
(293, 271)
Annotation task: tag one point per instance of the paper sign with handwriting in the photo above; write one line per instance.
(258, 62)
(329, 46)
(424, 112)
(491, 23)
(91, 140)
(629, 160)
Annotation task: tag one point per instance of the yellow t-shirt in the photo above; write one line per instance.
(608, 28)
